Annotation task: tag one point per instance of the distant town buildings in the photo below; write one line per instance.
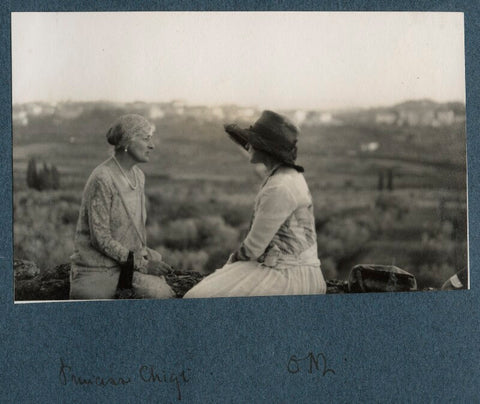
(411, 113)
(388, 118)
(20, 117)
(318, 118)
(422, 113)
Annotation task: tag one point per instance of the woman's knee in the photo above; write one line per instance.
(151, 287)
(87, 285)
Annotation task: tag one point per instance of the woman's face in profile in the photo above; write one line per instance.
(256, 156)
(140, 147)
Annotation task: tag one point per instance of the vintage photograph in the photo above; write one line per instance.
(163, 155)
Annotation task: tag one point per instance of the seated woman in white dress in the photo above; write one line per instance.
(279, 253)
(110, 236)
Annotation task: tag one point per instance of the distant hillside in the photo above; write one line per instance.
(424, 141)
(414, 113)
(47, 117)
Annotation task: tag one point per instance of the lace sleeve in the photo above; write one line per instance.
(99, 206)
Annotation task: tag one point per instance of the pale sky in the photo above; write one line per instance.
(310, 60)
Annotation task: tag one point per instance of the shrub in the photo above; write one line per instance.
(329, 268)
(44, 227)
(212, 231)
(236, 215)
(392, 203)
(216, 259)
(428, 275)
(184, 260)
(181, 234)
(437, 256)
(342, 238)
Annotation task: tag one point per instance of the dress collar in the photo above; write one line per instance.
(272, 171)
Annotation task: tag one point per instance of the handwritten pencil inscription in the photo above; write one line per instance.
(311, 363)
(145, 374)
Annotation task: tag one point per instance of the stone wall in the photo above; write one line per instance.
(34, 284)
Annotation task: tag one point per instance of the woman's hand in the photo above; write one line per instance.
(158, 268)
(152, 255)
(231, 259)
(140, 263)
(238, 255)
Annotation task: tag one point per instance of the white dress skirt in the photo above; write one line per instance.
(251, 278)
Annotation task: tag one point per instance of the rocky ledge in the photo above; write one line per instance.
(33, 284)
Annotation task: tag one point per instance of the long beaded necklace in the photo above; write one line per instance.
(125, 175)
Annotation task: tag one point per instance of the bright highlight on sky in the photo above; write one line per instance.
(310, 60)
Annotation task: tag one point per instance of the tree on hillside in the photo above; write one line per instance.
(32, 173)
(380, 181)
(55, 175)
(390, 179)
(46, 178)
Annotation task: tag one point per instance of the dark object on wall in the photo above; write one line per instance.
(380, 278)
(457, 281)
(124, 287)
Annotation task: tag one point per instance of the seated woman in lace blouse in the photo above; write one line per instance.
(279, 253)
(111, 225)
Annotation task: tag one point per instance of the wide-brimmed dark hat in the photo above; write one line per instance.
(272, 133)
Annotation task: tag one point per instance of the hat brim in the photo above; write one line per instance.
(242, 137)
(238, 135)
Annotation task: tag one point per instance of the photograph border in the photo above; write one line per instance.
(350, 348)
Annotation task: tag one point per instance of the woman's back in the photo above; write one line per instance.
(289, 192)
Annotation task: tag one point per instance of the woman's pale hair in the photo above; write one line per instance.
(126, 128)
